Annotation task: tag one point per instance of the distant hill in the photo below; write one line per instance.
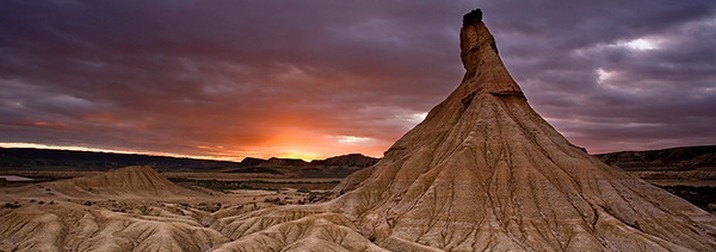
(333, 167)
(46, 159)
(354, 159)
(689, 172)
(672, 159)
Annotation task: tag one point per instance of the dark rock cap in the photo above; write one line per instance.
(472, 16)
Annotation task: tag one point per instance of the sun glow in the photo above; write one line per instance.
(305, 156)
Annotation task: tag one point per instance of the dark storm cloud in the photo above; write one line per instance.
(206, 78)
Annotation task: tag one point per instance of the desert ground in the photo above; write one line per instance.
(222, 188)
(139, 196)
(198, 200)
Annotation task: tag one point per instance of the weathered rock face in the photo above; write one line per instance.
(485, 171)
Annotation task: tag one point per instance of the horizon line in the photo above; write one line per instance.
(25, 145)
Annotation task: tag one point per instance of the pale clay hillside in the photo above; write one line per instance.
(483, 172)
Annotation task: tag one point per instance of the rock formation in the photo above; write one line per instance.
(485, 172)
(128, 182)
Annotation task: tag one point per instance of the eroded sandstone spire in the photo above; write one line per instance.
(485, 70)
(485, 172)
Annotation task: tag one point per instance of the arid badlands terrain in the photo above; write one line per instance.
(483, 172)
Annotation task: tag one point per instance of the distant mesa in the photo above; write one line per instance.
(333, 167)
(349, 160)
(671, 159)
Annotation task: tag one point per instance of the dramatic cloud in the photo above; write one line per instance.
(320, 78)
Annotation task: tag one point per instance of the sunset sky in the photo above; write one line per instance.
(312, 79)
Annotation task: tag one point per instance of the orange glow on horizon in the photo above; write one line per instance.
(294, 143)
(300, 155)
(220, 153)
(296, 137)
